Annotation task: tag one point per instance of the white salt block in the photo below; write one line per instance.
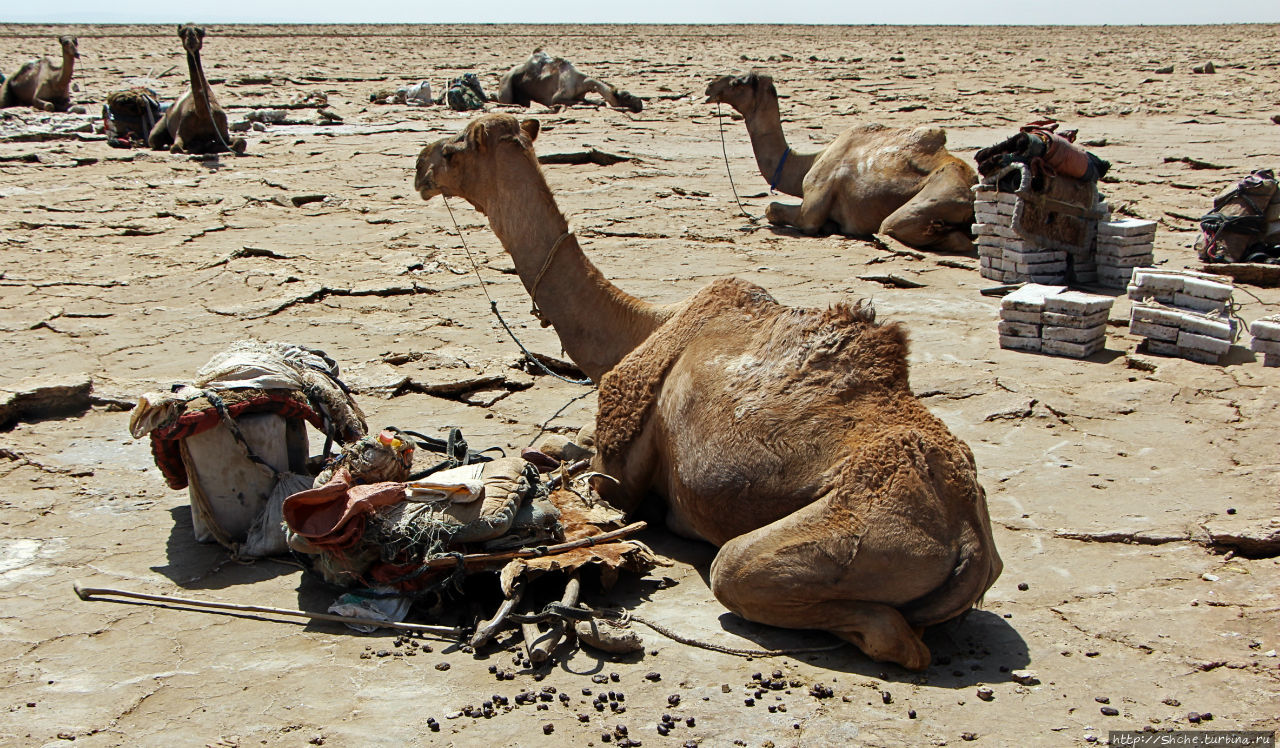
(1200, 324)
(1058, 319)
(1020, 344)
(1019, 329)
(1216, 346)
(1030, 298)
(1154, 331)
(1207, 289)
(1013, 315)
(1130, 250)
(1172, 349)
(987, 193)
(1034, 256)
(1267, 328)
(1136, 261)
(1040, 268)
(1078, 303)
(994, 229)
(1159, 281)
(1126, 227)
(1074, 350)
(1258, 345)
(1074, 334)
(1198, 303)
(1105, 240)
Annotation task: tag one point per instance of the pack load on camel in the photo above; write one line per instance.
(554, 81)
(365, 520)
(787, 437)
(1039, 216)
(236, 437)
(1244, 225)
(129, 115)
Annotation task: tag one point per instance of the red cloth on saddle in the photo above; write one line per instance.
(332, 517)
(164, 441)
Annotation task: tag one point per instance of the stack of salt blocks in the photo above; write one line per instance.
(1004, 255)
(1266, 339)
(1182, 313)
(1051, 319)
(1122, 246)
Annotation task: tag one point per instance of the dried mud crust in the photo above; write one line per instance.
(1118, 486)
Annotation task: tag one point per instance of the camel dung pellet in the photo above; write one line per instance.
(749, 701)
(911, 714)
(440, 665)
(673, 700)
(1102, 699)
(615, 677)
(548, 728)
(968, 736)
(652, 676)
(886, 697)
(690, 721)
(1110, 711)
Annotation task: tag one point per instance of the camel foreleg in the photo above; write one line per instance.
(809, 216)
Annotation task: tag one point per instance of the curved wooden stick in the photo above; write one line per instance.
(91, 593)
(545, 644)
(445, 562)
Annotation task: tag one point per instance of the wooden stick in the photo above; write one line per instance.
(546, 644)
(90, 593)
(445, 562)
(488, 629)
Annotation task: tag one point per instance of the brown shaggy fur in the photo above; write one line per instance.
(789, 437)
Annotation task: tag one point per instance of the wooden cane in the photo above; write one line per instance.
(91, 593)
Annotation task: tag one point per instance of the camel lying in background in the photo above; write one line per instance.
(552, 81)
(788, 437)
(195, 123)
(871, 179)
(41, 84)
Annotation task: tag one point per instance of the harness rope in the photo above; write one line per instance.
(621, 619)
(725, 150)
(493, 305)
(533, 292)
(777, 173)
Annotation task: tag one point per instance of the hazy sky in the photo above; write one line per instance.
(648, 11)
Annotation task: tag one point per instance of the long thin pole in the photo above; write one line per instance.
(91, 593)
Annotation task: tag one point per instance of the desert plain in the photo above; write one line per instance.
(1134, 498)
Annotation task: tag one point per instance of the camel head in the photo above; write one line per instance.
(629, 100)
(461, 165)
(741, 92)
(192, 37)
(70, 46)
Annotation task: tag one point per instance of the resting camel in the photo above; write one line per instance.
(195, 123)
(41, 84)
(551, 81)
(788, 437)
(871, 179)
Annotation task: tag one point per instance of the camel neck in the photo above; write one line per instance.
(782, 167)
(199, 87)
(68, 67)
(597, 322)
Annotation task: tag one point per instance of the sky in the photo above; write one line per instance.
(1089, 12)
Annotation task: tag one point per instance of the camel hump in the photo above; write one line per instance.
(929, 137)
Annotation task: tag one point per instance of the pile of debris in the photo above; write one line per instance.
(1051, 319)
(1266, 339)
(1182, 313)
(1122, 246)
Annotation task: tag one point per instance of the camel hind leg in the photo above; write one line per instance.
(937, 217)
(807, 571)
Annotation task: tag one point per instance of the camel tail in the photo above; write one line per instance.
(976, 569)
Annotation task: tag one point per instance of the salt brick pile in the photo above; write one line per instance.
(1051, 319)
(1266, 339)
(1182, 313)
(1004, 255)
(1122, 246)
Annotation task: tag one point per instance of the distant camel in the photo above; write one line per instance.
(41, 84)
(871, 179)
(195, 123)
(551, 81)
(788, 437)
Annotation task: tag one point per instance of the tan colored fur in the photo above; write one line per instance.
(195, 123)
(41, 84)
(871, 179)
(554, 81)
(789, 437)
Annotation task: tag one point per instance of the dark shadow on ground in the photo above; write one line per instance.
(208, 566)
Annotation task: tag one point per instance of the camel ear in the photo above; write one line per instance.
(477, 137)
(530, 128)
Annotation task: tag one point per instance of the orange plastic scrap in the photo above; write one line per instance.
(333, 516)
